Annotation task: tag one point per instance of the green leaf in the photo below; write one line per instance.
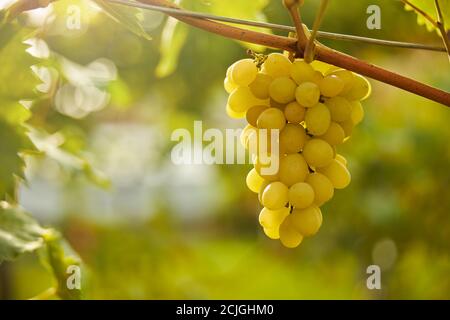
(428, 6)
(127, 16)
(19, 232)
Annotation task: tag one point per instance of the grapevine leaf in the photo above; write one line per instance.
(19, 232)
(129, 17)
(428, 6)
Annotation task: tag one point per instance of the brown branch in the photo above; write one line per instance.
(293, 6)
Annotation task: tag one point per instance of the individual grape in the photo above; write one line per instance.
(272, 233)
(323, 67)
(360, 89)
(302, 72)
(293, 169)
(229, 85)
(317, 119)
(244, 72)
(337, 173)
(307, 221)
(340, 109)
(289, 236)
(277, 65)
(318, 77)
(307, 94)
(260, 86)
(266, 169)
(275, 196)
(242, 99)
(233, 114)
(323, 188)
(335, 135)
(254, 181)
(261, 191)
(282, 90)
(346, 76)
(301, 195)
(253, 114)
(331, 86)
(318, 153)
(357, 114)
(294, 113)
(348, 127)
(292, 138)
(341, 159)
(272, 219)
(271, 118)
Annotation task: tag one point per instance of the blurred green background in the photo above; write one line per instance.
(191, 232)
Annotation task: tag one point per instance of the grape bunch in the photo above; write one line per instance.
(313, 108)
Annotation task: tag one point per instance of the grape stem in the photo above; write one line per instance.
(441, 27)
(323, 53)
(311, 45)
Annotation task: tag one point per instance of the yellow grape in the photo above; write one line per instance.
(293, 169)
(263, 168)
(357, 114)
(271, 118)
(233, 114)
(292, 138)
(348, 127)
(289, 236)
(360, 89)
(229, 85)
(323, 188)
(318, 77)
(253, 114)
(272, 219)
(335, 135)
(294, 112)
(301, 195)
(244, 72)
(307, 221)
(277, 105)
(277, 65)
(346, 76)
(337, 173)
(307, 94)
(323, 67)
(282, 90)
(272, 233)
(260, 86)
(331, 86)
(275, 196)
(254, 181)
(317, 119)
(302, 72)
(261, 191)
(341, 159)
(242, 99)
(340, 109)
(318, 153)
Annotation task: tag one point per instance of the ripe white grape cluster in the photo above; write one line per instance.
(314, 108)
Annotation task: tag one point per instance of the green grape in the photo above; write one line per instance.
(289, 236)
(242, 99)
(357, 114)
(229, 85)
(323, 188)
(293, 169)
(335, 135)
(301, 195)
(260, 86)
(272, 219)
(259, 167)
(261, 191)
(254, 181)
(307, 94)
(292, 138)
(275, 196)
(331, 86)
(318, 77)
(323, 67)
(282, 90)
(253, 114)
(294, 113)
(271, 118)
(318, 153)
(340, 109)
(244, 72)
(317, 119)
(360, 89)
(307, 221)
(272, 233)
(302, 72)
(233, 114)
(337, 173)
(341, 159)
(277, 65)
(344, 75)
(348, 127)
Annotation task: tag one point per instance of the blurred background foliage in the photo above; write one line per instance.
(147, 229)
